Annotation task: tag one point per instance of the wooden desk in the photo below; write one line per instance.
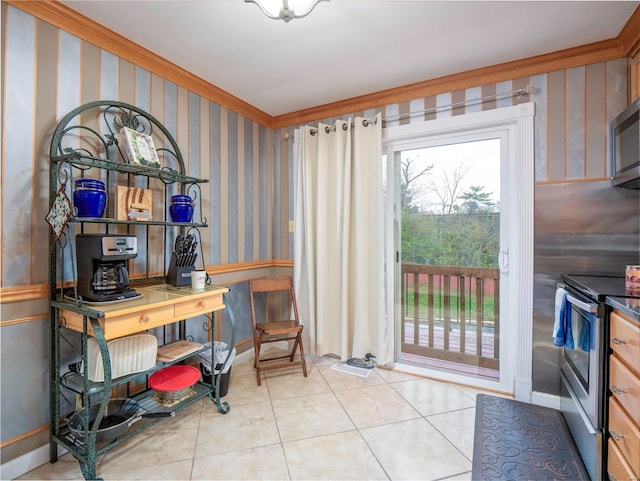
(159, 305)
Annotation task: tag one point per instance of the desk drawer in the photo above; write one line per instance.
(202, 305)
(625, 433)
(123, 324)
(137, 321)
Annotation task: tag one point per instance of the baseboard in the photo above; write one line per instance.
(523, 390)
(284, 345)
(27, 462)
(545, 399)
(243, 355)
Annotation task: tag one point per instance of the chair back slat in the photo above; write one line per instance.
(278, 298)
(269, 285)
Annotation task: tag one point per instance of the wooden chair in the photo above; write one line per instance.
(275, 298)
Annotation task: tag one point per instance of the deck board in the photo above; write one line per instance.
(454, 345)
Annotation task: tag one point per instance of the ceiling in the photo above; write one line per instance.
(347, 48)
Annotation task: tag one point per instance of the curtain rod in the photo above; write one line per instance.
(519, 93)
(332, 128)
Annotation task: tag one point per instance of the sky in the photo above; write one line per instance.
(481, 158)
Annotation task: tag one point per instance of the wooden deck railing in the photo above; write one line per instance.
(451, 313)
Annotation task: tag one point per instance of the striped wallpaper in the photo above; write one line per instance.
(573, 110)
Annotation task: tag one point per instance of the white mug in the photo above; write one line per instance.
(198, 279)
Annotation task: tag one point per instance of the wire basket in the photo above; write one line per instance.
(173, 396)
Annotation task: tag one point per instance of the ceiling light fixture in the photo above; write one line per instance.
(286, 9)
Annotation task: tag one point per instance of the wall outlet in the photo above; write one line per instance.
(290, 226)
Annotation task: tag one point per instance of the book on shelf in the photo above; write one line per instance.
(140, 148)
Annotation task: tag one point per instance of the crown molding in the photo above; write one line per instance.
(66, 18)
(583, 55)
(629, 36)
(626, 44)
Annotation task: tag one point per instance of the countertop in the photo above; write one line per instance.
(626, 305)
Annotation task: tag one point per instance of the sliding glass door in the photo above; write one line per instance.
(459, 206)
(450, 221)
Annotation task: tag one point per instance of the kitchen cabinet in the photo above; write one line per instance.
(87, 144)
(623, 429)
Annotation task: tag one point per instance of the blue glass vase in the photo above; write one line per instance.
(89, 198)
(181, 208)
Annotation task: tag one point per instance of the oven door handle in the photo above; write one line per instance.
(593, 308)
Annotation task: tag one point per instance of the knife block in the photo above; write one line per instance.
(178, 276)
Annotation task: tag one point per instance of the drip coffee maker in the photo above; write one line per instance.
(102, 266)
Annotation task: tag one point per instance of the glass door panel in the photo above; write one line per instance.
(449, 244)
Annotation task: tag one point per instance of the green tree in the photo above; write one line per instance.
(475, 200)
(465, 229)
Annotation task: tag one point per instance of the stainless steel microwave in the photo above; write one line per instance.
(625, 134)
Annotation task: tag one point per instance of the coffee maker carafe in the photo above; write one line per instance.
(102, 266)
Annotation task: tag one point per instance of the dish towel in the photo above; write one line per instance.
(562, 335)
(584, 335)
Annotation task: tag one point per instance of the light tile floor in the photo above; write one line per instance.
(330, 426)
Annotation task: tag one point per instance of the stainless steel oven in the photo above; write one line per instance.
(583, 363)
(582, 374)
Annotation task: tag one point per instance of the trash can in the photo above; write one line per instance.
(209, 375)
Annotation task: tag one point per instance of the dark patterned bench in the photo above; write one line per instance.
(514, 440)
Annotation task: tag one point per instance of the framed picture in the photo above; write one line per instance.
(140, 148)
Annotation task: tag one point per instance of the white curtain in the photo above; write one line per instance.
(339, 239)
